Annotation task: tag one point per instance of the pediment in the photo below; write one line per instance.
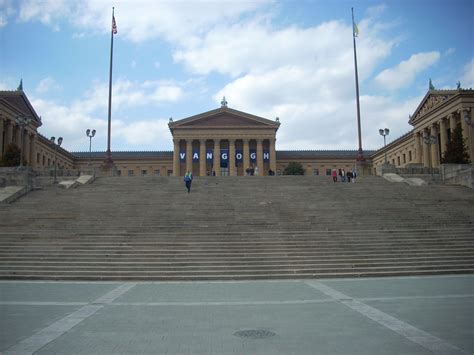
(433, 99)
(224, 118)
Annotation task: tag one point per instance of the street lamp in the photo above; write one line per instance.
(384, 132)
(22, 122)
(60, 140)
(91, 135)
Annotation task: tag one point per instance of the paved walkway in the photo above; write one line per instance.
(410, 315)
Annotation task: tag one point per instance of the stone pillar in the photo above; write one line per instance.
(9, 135)
(2, 128)
(202, 157)
(443, 136)
(217, 157)
(232, 170)
(426, 153)
(452, 124)
(272, 155)
(26, 146)
(189, 155)
(176, 163)
(18, 136)
(260, 157)
(33, 150)
(466, 128)
(246, 154)
(434, 147)
(418, 148)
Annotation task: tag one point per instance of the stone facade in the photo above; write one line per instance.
(243, 140)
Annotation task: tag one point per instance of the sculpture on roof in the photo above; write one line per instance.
(431, 86)
(223, 102)
(277, 119)
(171, 119)
(458, 85)
(20, 87)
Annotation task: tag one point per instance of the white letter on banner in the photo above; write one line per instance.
(253, 156)
(224, 156)
(209, 156)
(182, 155)
(238, 156)
(196, 156)
(266, 156)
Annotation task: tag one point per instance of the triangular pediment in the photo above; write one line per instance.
(431, 101)
(18, 101)
(224, 118)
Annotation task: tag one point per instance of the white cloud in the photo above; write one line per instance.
(405, 72)
(467, 78)
(46, 85)
(6, 11)
(46, 11)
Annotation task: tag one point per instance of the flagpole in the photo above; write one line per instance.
(108, 158)
(360, 154)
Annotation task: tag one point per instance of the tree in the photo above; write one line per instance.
(456, 150)
(12, 155)
(294, 168)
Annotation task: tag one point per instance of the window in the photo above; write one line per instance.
(404, 158)
(49, 162)
(119, 172)
(315, 172)
(130, 173)
(157, 172)
(44, 159)
(170, 172)
(398, 161)
(144, 172)
(38, 158)
(409, 155)
(328, 172)
(393, 161)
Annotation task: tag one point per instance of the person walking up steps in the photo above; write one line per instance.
(188, 179)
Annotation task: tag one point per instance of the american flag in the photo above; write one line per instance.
(114, 26)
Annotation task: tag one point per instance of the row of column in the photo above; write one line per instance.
(217, 157)
(12, 133)
(428, 152)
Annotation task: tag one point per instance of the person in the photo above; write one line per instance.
(334, 175)
(349, 176)
(354, 175)
(188, 179)
(343, 175)
(256, 171)
(340, 174)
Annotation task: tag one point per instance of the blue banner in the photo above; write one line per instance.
(182, 156)
(253, 155)
(224, 158)
(266, 155)
(209, 155)
(239, 157)
(195, 155)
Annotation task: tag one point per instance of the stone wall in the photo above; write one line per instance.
(458, 174)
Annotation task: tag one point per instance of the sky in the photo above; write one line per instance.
(289, 59)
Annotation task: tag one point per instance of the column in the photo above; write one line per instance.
(189, 155)
(260, 157)
(418, 148)
(434, 147)
(26, 146)
(33, 150)
(452, 124)
(202, 157)
(443, 136)
(18, 132)
(246, 154)
(426, 153)
(272, 155)
(232, 171)
(9, 135)
(465, 130)
(2, 128)
(217, 157)
(176, 163)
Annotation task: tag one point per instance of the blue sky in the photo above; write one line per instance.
(291, 59)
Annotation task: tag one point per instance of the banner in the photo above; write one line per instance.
(239, 157)
(266, 155)
(209, 155)
(182, 156)
(224, 158)
(253, 155)
(195, 155)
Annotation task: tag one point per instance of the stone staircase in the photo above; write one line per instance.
(237, 228)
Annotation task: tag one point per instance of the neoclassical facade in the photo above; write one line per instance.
(225, 142)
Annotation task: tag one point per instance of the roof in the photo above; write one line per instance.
(18, 100)
(311, 154)
(224, 117)
(125, 155)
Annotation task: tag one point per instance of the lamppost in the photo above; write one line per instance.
(22, 122)
(60, 140)
(91, 135)
(384, 132)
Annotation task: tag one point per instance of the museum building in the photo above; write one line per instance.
(226, 142)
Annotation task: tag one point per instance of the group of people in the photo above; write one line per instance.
(350, 175)
(251, 171)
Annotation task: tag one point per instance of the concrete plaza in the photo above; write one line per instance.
(402, 315)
